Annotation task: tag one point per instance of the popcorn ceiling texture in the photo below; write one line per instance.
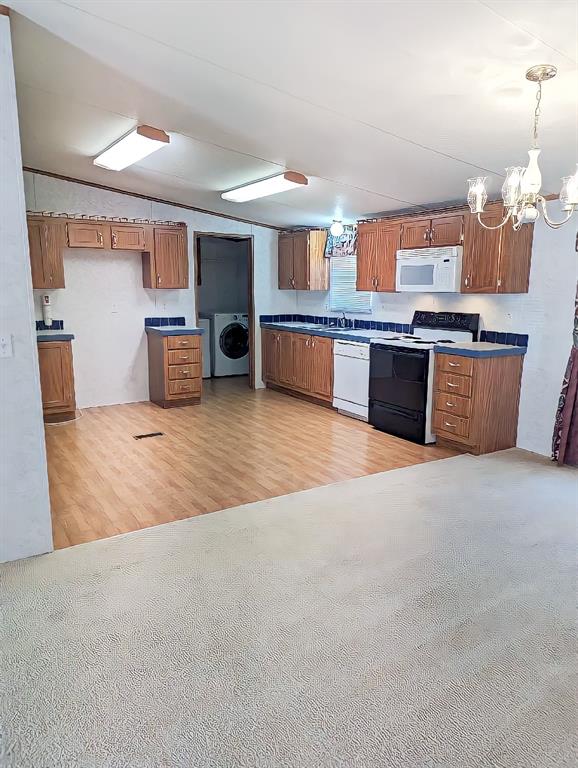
(418, 617)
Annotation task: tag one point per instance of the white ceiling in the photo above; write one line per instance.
(383, 105)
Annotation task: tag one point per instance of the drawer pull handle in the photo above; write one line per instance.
(449, 424)
(453, 386)
(183, 357)
(183, 341)
(450, 405)
(454, 365)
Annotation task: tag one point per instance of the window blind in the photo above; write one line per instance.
(342, 294)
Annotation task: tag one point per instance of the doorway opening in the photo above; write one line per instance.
(225, 304)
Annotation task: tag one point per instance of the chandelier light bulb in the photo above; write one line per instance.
(336, 228)
(477, 195)
(569, 191)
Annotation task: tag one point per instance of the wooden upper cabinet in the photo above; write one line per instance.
(127, 238)
(447, 230)
(388, 240)
(285, 262)
(481, 255)
(415, 233)
(437, 231)
(301, 261)
(302, 265)
(366, 256)
(56, 376)
(171, 262)
(88, 235)
(46, 239)
(377, 246)
(496, 261)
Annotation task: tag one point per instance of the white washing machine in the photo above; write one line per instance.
(229, 344)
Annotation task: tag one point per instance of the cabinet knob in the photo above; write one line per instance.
(158, 279)
(450, 405)
(100, 238)
(425, 234)
(453, 386)
(454, 365)
(449, 424)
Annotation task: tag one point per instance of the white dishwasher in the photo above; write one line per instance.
(351, 378)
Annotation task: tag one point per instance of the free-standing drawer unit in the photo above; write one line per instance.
(175, 365)
(477, 408)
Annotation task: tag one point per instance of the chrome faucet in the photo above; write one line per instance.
(342, 322)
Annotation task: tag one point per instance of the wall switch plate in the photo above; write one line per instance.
(6, 346)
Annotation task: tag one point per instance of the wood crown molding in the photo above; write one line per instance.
(148, 197)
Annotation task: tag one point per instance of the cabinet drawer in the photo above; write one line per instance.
(184, 355)
(186, 387)
(452, 404)
(453, 383)
(450, 425)
(178, 342)
(455, 364)
(190, 371)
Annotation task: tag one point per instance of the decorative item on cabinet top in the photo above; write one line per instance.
(163, 245)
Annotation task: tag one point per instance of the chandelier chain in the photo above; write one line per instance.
(537, 113)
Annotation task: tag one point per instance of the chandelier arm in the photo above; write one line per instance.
(498, 226)
(549, 222)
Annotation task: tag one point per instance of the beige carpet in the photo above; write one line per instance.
(421, 617)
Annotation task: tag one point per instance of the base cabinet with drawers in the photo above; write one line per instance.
(56, 380)
(476, 401)
(175, 369)
(298, 362)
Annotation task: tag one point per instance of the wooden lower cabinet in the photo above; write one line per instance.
(175, 369)
(476, 401)
(56, 380)
(298, 362)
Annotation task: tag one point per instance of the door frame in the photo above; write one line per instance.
(251, 287)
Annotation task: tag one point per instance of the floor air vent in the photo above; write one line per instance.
(148, 434)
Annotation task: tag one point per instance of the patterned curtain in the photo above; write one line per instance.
(565, 440)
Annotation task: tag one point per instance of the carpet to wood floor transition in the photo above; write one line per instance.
(422, 617)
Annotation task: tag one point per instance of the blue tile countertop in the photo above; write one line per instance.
(480, 349)
(173, 330)
(357, 334)
(54, 336)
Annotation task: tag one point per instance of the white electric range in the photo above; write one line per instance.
(401, 373)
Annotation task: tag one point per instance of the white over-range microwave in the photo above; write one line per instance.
(429, 270)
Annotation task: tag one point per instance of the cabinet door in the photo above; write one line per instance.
(366, 257)
(270, 355)
(415, 233)
(46, 240)
(301, 261)
(285, 259)
(388, 237)
(285, 360)
(302, 361)
(447, 230)
(515, 258)
(128, 238)
(321, 368)
(56, 375)
(481, 254)
(81, 235)
(171, 258)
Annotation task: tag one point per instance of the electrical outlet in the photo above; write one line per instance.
(6, 346)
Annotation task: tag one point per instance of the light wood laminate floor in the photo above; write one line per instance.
(236, 447)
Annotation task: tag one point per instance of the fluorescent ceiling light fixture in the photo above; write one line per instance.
(270, 186)
(139, 143)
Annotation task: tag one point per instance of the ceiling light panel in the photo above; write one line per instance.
(139, 143)
(271, 186)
